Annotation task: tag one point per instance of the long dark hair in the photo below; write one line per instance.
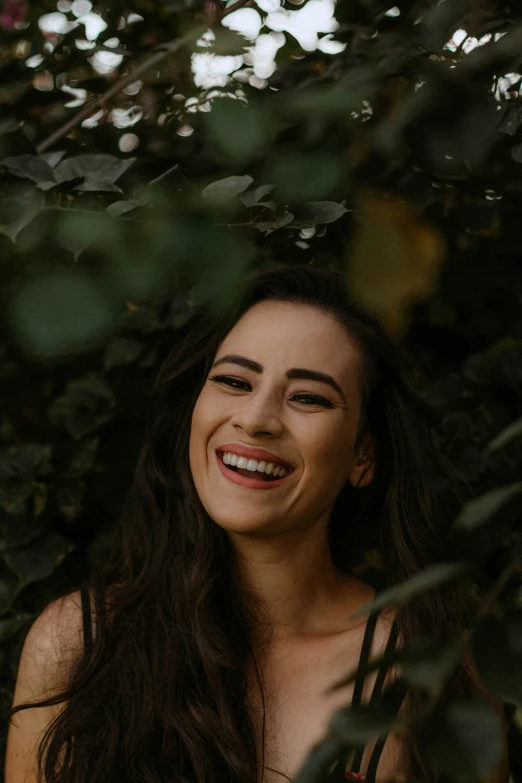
(162, 695)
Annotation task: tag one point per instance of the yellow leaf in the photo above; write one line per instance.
(394, 260)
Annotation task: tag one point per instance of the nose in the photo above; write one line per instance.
(258, 415)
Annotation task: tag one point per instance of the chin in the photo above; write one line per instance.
(244, 524)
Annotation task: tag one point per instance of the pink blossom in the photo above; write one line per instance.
(13, 12)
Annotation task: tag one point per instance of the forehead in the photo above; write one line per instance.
(281, 335)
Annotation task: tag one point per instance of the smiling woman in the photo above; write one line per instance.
(277, 439)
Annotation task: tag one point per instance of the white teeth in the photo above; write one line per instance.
(251, 464)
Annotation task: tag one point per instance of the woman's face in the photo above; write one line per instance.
(283, 391)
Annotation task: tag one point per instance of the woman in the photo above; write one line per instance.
(277, 440)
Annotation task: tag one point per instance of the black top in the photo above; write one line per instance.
(338, 773)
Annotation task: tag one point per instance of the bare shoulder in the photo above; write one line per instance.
(52, 645)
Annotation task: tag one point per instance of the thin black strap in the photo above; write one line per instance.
(87, 620)
(375, 695)
(338, 771)
(383, 670)
(363, 659)
(399, 695)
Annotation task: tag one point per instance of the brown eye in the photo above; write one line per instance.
(314, 399)
(227, 380)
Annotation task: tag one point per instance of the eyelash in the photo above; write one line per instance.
(229, 381)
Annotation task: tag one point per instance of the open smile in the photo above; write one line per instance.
(237, 476)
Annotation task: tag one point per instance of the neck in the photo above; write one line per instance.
(296, 581)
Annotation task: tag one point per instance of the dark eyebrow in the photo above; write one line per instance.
(295, 373)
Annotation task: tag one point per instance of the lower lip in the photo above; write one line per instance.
(251, 483)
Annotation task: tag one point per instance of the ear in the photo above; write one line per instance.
(362, 471)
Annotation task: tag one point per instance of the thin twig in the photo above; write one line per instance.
(133, 76)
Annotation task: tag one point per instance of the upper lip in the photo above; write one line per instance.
(252, 453)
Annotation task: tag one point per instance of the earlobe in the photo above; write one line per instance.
(362, 474)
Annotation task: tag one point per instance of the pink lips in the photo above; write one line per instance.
(251, 483)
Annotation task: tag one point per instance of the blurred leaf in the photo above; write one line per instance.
(122, 350)
(358, 726)
(40, 498)
(99, 172)
(59, 313)
(16, 215)
(85, 406)
(118, 208)
(26, 460)
(18, 530)
(508, 434)
(326, 101)
(10, 587)
(498, 663)
(227, 188)
(82, 458)
(227, 42)
(440, 22)
(478, 511)
(37, 560)
(426, 663)
(319, 760)
(14, 494)
(12, 625)
(394, 261)
(69, 496)
(29, 166)
(304, 176)
(235, 129)
(313, 212)
(465, 739)
(512, 121)
(429, 579)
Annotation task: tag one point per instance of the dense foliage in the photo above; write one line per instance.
(396, 156)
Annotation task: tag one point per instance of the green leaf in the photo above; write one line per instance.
(253, 197)
(429, 579)
(235, 129)
(38, 560)
(77, 231)
(99, 172)
(227, 188)
(60, 313)
(227, 42)
(304, 176)
(478, 511)
(272, 225)
(122, 350)
(465, 740)
(29, 166)
(16, 215)
(86, 405)
(312, 213)
(507, 435)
